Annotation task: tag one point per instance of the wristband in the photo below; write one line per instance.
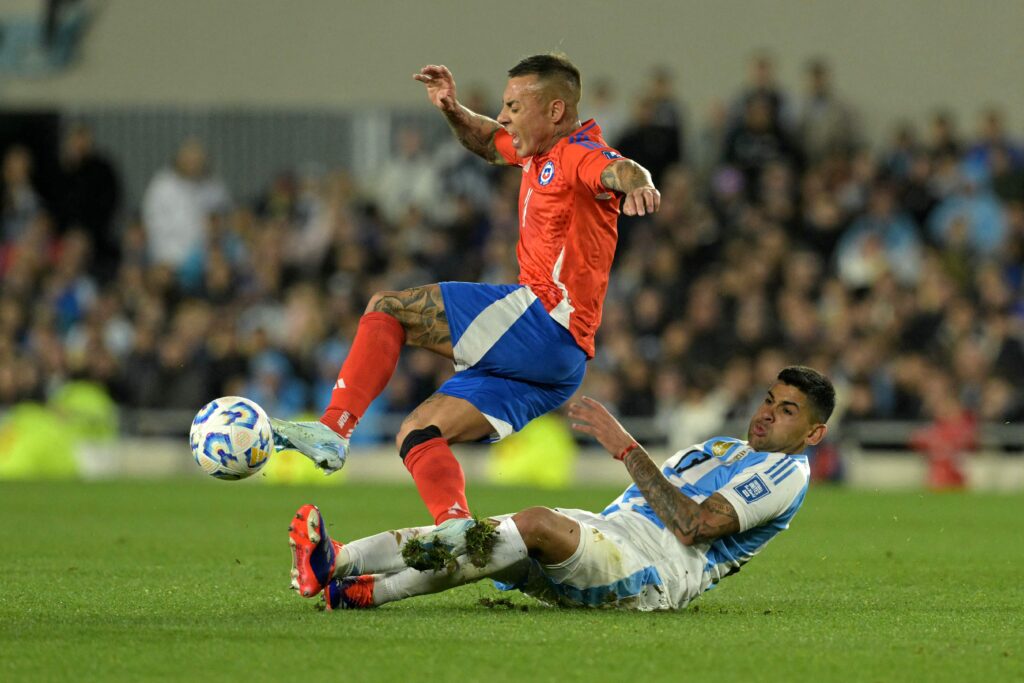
(626, 451)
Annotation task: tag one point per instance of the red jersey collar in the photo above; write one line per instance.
(588, 128)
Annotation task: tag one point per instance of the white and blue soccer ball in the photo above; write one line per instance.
(231, 438)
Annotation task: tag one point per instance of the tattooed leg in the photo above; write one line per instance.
(420, 311)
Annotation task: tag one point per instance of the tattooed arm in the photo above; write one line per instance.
(475, 131)
(689, 521)
(634, 181)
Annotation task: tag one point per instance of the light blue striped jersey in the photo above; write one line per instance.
(765, 488)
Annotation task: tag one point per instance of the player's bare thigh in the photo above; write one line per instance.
(458, 419)
(420, 310)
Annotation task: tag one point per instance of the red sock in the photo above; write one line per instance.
(367, 370)
(439, 478)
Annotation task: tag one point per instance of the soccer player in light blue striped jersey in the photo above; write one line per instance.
(673, 534)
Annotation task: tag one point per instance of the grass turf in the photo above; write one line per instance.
(189, 580)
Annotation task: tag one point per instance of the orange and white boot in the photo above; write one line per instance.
(314, 553)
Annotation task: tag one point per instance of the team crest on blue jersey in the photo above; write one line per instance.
(719, 448)
(547, 173)
(752, 489)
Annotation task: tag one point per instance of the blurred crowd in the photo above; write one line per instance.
(784, 237)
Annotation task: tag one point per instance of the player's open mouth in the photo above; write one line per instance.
(759, 430)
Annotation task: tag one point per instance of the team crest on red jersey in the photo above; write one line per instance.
(547, 173)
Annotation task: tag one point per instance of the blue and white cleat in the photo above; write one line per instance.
(315, 440)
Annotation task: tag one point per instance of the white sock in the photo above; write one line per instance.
(377, 554)
(507, 561)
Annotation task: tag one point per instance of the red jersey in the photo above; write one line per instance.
(567, 228)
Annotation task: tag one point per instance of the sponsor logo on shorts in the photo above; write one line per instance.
(547, 173)
(752, 489)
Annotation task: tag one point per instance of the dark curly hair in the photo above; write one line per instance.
(816, 386)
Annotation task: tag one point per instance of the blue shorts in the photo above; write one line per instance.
(513, 361)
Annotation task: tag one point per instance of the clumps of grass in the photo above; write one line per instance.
(480, 541)
(434, 557)
(502, 602)
(490, 603)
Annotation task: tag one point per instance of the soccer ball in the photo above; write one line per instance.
(231, 438)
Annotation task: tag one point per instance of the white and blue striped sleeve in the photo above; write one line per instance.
(764, 491)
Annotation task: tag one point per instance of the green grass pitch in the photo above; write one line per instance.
(188, 580)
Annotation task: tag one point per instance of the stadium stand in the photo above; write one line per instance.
(783, 237)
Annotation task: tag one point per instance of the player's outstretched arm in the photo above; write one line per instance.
(689, 521)
(475, 131)
(634, 181)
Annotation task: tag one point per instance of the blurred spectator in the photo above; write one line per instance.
(710, 138)
(1000, 403)
(902, 150)
(686, 221)
(88, 197)
(881, 241)
(408, 180)
(914, 190)
(944, 140)
(178, 204)
(762, 84)
(274, 386)
(669, 111)
(20, 203)
(655, 135)
(950, 437)
(757, 141)
(602, 104)
(1007, 180)
(704, 404)
(971, 215)
(826, 124)
(68, 289)
(823, 220)
(992, 139)
(651, 144)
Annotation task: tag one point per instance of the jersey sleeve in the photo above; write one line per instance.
(590, 158)
(503, 143)
(762, 492)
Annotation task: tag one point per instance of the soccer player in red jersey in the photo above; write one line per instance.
(519, 350)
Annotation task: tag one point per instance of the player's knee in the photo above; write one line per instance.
(383, 302)
(536, 525)
(410, 436)
(550, 537)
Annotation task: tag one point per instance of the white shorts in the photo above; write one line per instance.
(622, 561)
